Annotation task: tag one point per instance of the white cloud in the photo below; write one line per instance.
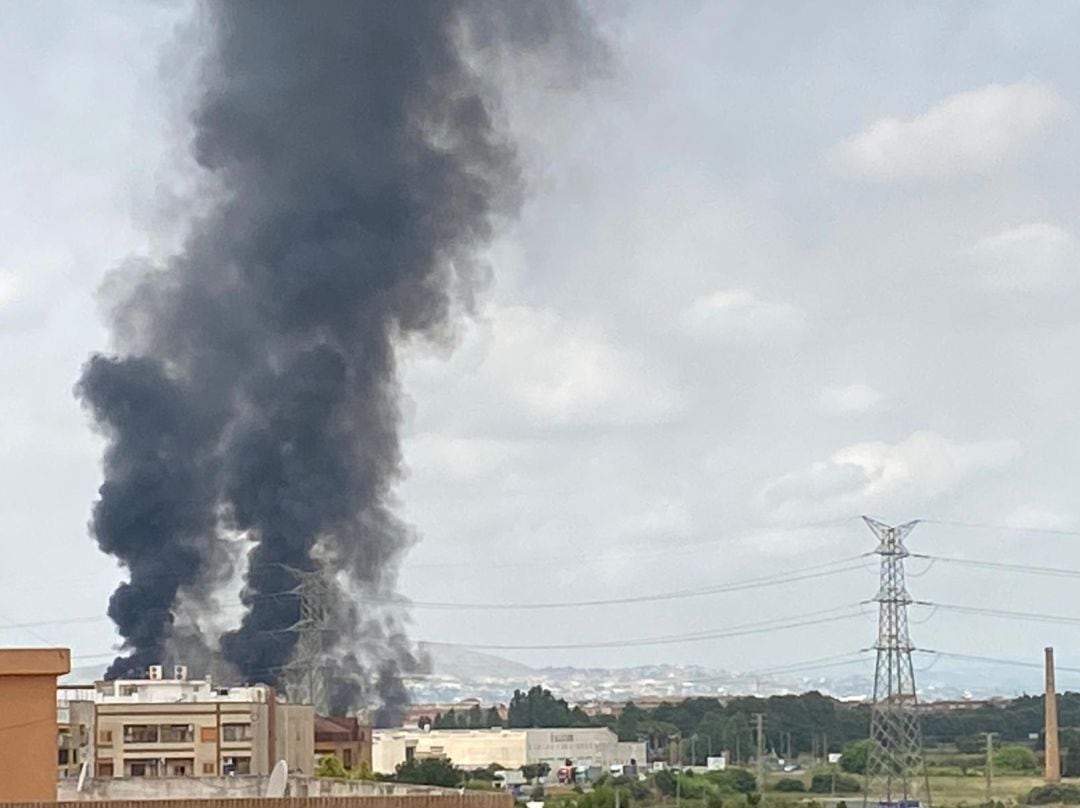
(858, 397)
(9, 288)
(570, 372)
(876, 473)
(1026, 257)
(738, 312)
(968, 133)
(519, 364)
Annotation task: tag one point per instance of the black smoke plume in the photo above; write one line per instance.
(356, 172)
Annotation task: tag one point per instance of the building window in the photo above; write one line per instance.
(177, 733)
(236, 765)
(208, 768)
(129, 690)
(179, 767)
(63, 756)
(236, 732)
(142, 768)
(104, 768)
(346, 758)
(207, 734)
(105, 736)
(140, 733)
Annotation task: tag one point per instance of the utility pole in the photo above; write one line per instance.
(760, 717)
(990, 766)
(895, 768)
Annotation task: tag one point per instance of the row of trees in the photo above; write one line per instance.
(536, 707)
(799, 724)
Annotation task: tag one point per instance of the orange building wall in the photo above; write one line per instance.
(28, 721)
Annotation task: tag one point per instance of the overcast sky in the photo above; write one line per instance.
(780, 265)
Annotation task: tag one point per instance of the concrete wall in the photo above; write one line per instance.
(113, 790)
(28, 731)
(512, 748)
(294, 737)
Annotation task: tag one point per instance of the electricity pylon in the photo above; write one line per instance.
(306, 673)
(895, 768)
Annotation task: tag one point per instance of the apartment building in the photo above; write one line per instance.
(177, 727)
(346, 739)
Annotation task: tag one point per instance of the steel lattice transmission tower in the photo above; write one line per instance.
(305, 676)
(895, 768)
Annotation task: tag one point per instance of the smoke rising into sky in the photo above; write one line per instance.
(356, 169)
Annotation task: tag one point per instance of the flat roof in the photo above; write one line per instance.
(35, 661)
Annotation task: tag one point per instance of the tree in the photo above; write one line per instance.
(665, 782)
(330, 766)
(1015, 759)
(476, 717)
(970, 744)
(429, 772)
(538, 708)
(534, 770)
(854, 755)
(493, 718)
(1071, 767)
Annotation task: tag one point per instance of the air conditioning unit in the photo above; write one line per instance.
(180, 672)
(154, 672)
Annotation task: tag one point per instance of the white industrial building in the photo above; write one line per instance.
(512, 748)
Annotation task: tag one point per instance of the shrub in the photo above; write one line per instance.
(330, 766)
(665, 782)
(789, 784)
(822, 783)
(714, 801)
(853, 756)
(639, 791)
(1015, 759)
(738, 781)
(1052, 794)
(693, 788)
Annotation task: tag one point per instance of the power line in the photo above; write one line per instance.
(1003, 528)
(807, 573)
(734, 631)
(1000, 565)
(1018, 663)
(814, 571)
(763, 626)
(670, 548)
(978, 610)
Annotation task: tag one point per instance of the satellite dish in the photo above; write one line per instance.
(82, 775)
(279, 778)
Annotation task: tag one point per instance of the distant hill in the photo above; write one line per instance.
(471, 666)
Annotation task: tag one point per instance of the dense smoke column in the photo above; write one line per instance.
(155, 510)
(357, 175)
(364, 172)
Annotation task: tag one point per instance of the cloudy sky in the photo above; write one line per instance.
(779, 266)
